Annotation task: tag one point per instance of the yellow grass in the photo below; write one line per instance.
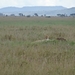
(20, 55)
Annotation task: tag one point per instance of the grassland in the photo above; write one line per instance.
(20, 56)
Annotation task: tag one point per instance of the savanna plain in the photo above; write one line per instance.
(20, 54)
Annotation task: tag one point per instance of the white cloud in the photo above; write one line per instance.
(67, 3)
(40, 2)
(5, 3)
(21, 3)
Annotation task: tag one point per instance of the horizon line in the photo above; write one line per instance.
(35, 6)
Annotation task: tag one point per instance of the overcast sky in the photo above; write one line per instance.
(22, 3)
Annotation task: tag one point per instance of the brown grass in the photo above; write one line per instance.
(20, 56)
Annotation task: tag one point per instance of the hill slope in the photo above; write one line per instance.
(41, 10)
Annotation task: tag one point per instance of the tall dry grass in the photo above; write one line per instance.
(20, 56)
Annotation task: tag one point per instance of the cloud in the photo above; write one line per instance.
(21, 3)
(67, 3)
(6, 3)
(41, 2)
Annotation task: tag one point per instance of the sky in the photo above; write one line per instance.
(22, 3)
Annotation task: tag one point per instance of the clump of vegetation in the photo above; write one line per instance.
(8, 37)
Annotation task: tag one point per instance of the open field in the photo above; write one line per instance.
(20, 54)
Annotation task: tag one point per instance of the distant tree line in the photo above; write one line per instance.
(65, 15)
(61, 15)
(36, 14)
(73, 14)
(1, 14)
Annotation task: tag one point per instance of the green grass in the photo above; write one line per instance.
(21, 55)
(36, 21)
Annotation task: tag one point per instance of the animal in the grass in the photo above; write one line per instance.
(61, 39)
(47, 37)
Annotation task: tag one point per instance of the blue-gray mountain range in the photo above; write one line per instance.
(40, 10)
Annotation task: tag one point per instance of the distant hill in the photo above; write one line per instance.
(66, 11)
(40, 10)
